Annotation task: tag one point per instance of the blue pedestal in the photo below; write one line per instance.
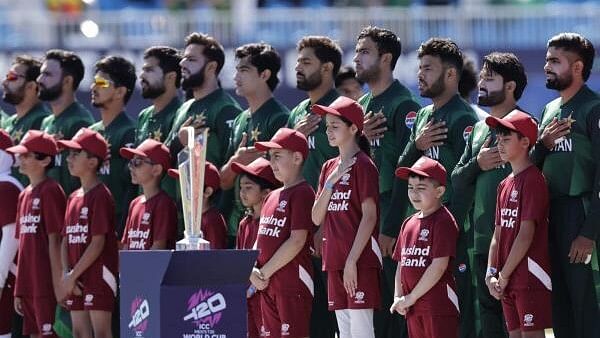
(184, 294)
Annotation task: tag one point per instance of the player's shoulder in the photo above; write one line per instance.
(51, 186)
(302, 190)
(365, 162)
(300, 108)
(446, 219)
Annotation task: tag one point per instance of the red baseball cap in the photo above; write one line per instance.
(5, 140)
(37, 142)
(212, 178)
(517, 121)
(157, 152)
(344, 107)
(425, 167)
(260, 167)
(88, 140)
(288, 139)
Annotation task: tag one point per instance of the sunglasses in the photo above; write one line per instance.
(136, 162)
(13, 76)
(101, 82)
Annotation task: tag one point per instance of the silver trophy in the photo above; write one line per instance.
(191, 164)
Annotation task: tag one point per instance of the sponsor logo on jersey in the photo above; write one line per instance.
(433, 153)
(140, 312)
(467, 132)
(205, 310)
(508, 217)
(410, 119)
(513, 196)
(266, 221)
(419, 256)
(563, 144)
(339, 201)
(77, 234)
(138, 239)
(528, 319)
(28, 224)
(423, 235)
(311, 142)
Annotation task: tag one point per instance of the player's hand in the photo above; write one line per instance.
(244, 154)
(492, 284)
(581, 247)
(318, 243)
(350, 278)
(433, 134)
(69, 285)
(374, 126)
(308, 124)
(553, 131)
(258, 279)
(503, 281)
(386, 244)
(341, 169)
(488, 157)
(396, 306)
(406, 302)
(198, 122)
(19, 306)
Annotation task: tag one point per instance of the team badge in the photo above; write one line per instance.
(345, 179)
(467, 132)
(423, 235)
(285, 328)
(36, 203)
(146, 218)
(513, 196)
(359, 297)
(409, 121)
(282, 205)
(528, 319)
(84, 213)
(47, 327)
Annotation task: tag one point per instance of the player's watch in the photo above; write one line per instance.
(491, 272)
(328, 185)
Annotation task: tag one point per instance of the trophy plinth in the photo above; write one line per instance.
(192, 243)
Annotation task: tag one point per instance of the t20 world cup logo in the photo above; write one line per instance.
(140, 311)
(205, 307)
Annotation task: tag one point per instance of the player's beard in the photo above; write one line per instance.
(310, 82)
(50, 94)
(491, 99)
(559, 82)
(14, 97)
(151, 92)
(369, 74)
(435, 89)
(195, 80)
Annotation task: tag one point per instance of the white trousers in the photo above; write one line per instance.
(355, 323)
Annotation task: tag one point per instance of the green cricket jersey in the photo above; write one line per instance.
(63, 127)
(478, 188)
(459, 118)
(399, 106)
(572, 167)
(219, 109)
(3, 116)
(157, 125)
(114, 172)
(319, 150)
(17, 127)
(260, 126)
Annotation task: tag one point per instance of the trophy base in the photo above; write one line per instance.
(192, 243)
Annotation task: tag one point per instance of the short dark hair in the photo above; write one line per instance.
(386, 41)
(326, 50)
(509, 67)
(468, 78)
(70, 64)
(345, 73)
(168, 60)
(261, 182)
(446, 49)
(213, 50)
(578, 44)
(41, 157)
(423, 178)
(262, 56)
(120, 70)
(32, 64)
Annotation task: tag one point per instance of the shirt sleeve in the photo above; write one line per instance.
(300, 210)
(534, 199)
(463, 182)
(368, 180)
(102, 221)
(223, 130)
(539, 151)
(53, 209)
(164, 223)
(445, 237)
(397, 255)
(591, 225)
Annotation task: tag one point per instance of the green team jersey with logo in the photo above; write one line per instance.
(114, 171)
(399, 106)
(478, 188)
(63, 127)
(219, 109)
(572, 166)
(260, 126)
(460, 119)
(157, 125)
(17, 127)
(319, 150)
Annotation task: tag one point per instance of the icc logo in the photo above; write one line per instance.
(140, 312)
(513, 196)
(282, 206)
(146, 218)
(345, 179)
(528, 319)
(205, 308)
(423, 235)
(360, 296)
(84, 212)
(36, 203)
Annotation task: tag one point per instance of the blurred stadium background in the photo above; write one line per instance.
(94, 28)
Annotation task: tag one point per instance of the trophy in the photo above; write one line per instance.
(191, 163)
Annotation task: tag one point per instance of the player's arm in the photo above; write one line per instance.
(591, 226)
(493, 252)
(463, 180)
(398, 293)
(538, 153)
(518, 250)
(56, 267)
(286, 252)
(91, 253)
(432, 275)
(319, 209)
